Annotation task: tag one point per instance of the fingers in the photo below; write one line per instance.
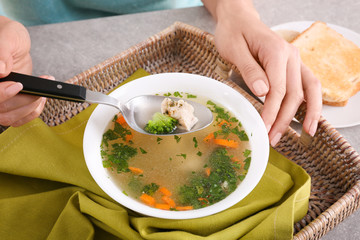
(281, 105)
(276, 71)
(17, 102)
(32, 115)
(291, 100)
(18, 109)
(9, 90)
(270, 67)
(22, 114)
(313, 98)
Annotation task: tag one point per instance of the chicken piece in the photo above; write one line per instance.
(181, 111)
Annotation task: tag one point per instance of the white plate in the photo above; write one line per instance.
(191, 83)
(339, 117)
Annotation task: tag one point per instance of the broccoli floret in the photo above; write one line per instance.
(161, 124)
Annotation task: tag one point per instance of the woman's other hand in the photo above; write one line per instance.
(269, 65)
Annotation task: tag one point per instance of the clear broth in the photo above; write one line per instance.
(170, 161)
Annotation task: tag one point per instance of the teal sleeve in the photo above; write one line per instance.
(35, 12)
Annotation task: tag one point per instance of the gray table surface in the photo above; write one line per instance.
(66, 49)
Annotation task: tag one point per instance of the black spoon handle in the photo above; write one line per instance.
(47, 88)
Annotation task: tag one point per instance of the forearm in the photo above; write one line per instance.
(219, 9)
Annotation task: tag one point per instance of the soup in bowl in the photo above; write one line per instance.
(178, 176)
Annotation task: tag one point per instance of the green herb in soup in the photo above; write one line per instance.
(219, 180)
(119, 155)
(179, 173)
(150, 189)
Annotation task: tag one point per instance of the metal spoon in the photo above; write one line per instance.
(137, 111)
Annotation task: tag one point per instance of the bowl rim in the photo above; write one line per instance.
(183, 82)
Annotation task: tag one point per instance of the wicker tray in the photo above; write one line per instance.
(329, 159)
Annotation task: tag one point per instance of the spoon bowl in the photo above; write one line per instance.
(138, 110)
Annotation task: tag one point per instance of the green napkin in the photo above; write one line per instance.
(47, 192)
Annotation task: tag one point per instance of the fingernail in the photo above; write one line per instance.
(260, 88)
(275, 139)
(13, 89)
(2, 67)
(313, 128)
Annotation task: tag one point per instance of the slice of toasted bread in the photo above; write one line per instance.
(333, 59)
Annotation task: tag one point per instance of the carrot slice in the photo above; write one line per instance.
(207, 171)
(147, 199)
(226, 143)
(162, 206)
(168, 201)
(203, 201)
(209, 137)
(223, 122)
(165, 191)
(184, 208)
(128, 137)
(136, 170)
(120, 119)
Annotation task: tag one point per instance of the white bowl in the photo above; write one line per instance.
(182, 82)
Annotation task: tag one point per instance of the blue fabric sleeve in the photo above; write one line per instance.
(35, 12)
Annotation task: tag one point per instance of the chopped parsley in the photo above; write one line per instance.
(247, 163)
(219, 111)
(118, 132)
(206, 190)
(195, 142)
(191, 96)
(142, 150)
(118, 156)
(240, 133)
(177, 94)
(247, 152)
(226, 128)
(150, 189)
(241, 177)
(177, 138)
(182, 155)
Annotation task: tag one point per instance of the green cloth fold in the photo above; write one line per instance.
(47, 192)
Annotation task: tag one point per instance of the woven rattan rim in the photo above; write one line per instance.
(328, 158)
